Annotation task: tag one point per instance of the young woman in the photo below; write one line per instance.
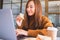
(33, 23)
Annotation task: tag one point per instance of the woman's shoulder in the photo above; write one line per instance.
(47, 22)
(44, 17)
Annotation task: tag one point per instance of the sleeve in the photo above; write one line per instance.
(46, 22)
(34, 33)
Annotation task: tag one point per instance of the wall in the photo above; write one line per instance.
(15, 6)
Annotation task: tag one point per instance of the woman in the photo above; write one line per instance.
(33, 23)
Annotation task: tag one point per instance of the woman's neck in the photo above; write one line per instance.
(31, 17)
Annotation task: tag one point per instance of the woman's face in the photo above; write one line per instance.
(31, 8)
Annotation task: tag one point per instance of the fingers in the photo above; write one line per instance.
(17, 32)
(18, 18)
(21, 32)
(38, 38)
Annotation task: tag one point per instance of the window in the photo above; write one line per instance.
(15, 6)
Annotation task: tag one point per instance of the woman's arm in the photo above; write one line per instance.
(19, 19)
(34, 33)
(46, 23)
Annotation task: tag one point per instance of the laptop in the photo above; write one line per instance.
(7, 28)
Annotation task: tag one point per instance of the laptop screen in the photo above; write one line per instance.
(7, 28)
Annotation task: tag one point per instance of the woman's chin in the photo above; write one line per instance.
(30, 14)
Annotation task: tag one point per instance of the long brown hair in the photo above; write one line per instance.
(38, 13)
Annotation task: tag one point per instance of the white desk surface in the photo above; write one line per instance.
(58, 38)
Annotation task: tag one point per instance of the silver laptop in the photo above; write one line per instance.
(7, 28)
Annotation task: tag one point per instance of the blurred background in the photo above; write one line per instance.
(50, 8)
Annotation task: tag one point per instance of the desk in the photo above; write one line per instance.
(58, 38)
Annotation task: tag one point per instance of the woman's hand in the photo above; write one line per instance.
(38, 38)
(19, 20)
(21, 32)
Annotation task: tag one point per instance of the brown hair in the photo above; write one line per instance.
(38, 13)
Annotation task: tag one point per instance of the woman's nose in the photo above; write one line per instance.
(28, 9)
